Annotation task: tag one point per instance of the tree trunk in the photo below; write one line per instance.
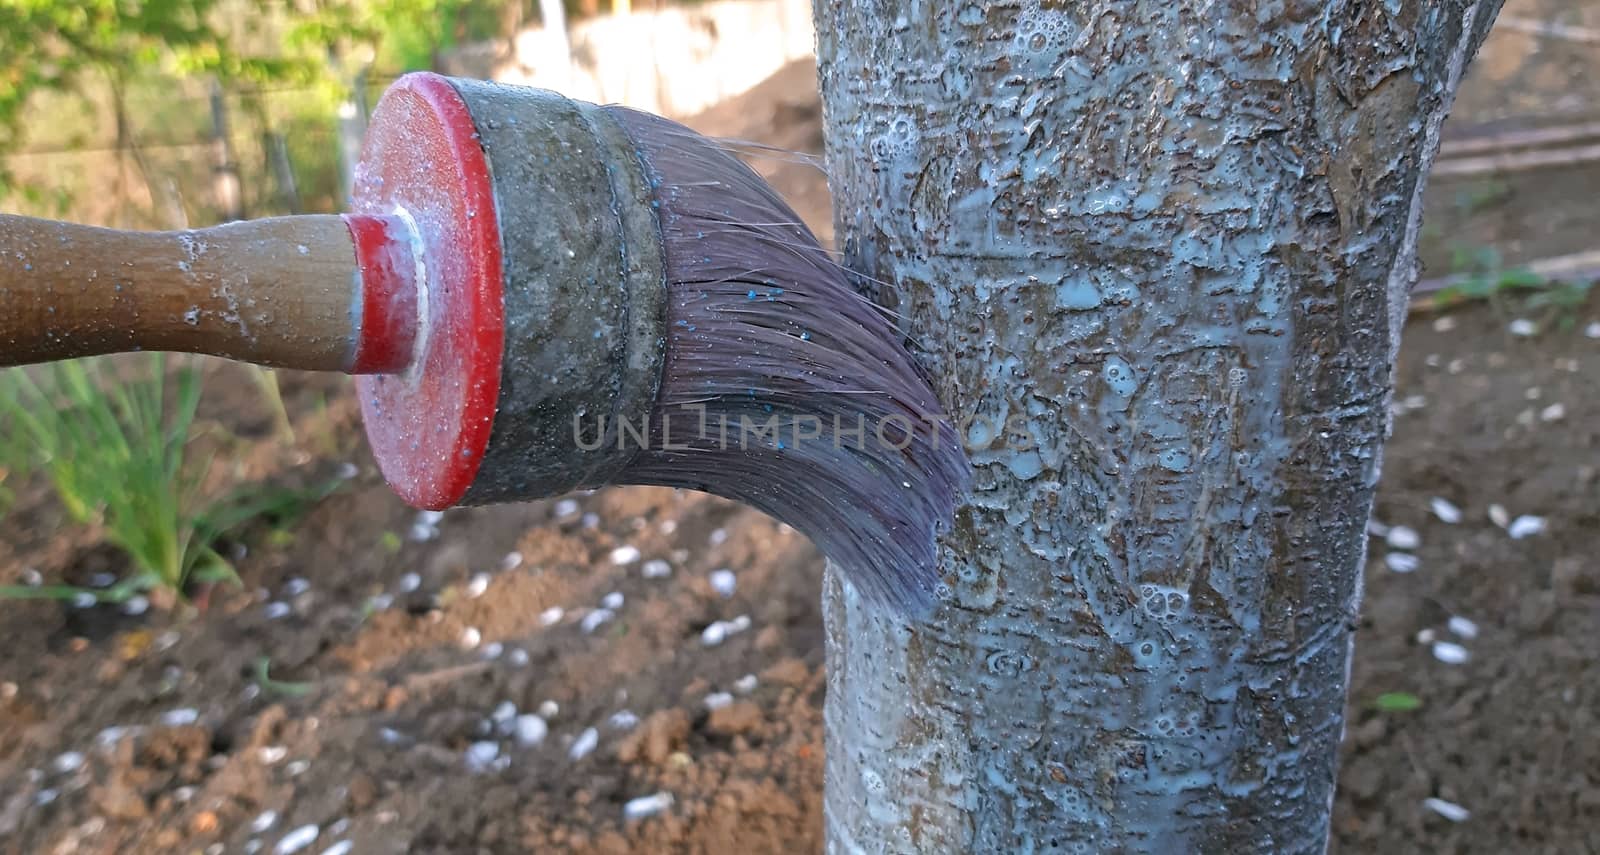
(1157, 254)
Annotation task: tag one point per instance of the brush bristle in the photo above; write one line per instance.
(764, 328)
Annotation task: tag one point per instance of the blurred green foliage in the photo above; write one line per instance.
(87, 48)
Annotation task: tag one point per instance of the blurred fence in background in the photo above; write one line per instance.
(187, 156)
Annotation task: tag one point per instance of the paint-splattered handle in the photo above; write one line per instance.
(326, 293)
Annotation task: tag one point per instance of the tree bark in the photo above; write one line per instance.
(1157, 254)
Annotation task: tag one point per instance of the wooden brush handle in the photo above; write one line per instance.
(325, 293)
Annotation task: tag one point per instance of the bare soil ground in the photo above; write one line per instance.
(408, 656)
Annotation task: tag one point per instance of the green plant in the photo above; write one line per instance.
(1564, 300)
(277, 687)
(1480, 274)
(267, 383)
(114, 439)
(1397, 702)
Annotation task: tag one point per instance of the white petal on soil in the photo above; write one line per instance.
(1525, 526)
(612, 601)
(480, 756)
(1450, 653)
(410, 582)
(296, 586)
(471, 637)
(477, 585)
(1402, 537)
(724, 582)
(552, 616)
(624, 555)
(343, 847)
(1402, 562)
(1463, 627)
(1376, 528)
(493, 649)
(656, 569)
(420, 533)
(531, 730)
(718, 700)
(594, 619)
(1592, 330)
(645, 806)
(1553, 413)
(84, 600)
(505, 712)
(745, 685)
(263, 821)
(1426, 636)
(719, 536)
(1523, 327)
(623, 720)
(669, 526)
(549, 709)
(297, 840)
(69, 761)
(1444, 510)
(276, 610)
(719, 631)
(271, 755)
(566, 508)
(179, 717)
(584, 744)
(518, 657)
(512, 561)
(1499, 516)
(136, 605)
(110, 736)
(1448, 810)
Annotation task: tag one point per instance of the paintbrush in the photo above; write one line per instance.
(540, 295)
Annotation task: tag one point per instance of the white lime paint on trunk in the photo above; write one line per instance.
(1166, 245)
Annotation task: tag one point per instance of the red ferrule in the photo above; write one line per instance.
(386, 333)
